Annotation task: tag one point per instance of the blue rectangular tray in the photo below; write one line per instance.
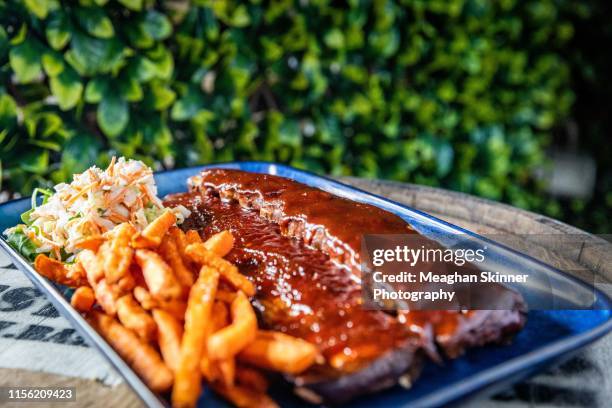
(549, 335)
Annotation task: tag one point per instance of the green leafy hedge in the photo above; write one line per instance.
(459, 93)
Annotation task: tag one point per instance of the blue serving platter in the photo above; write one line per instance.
(549, 336)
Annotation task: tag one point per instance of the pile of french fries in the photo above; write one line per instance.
(178, 312)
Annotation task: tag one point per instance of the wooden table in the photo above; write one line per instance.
(478, 215)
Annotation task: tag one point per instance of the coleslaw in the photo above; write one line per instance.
(93, 203)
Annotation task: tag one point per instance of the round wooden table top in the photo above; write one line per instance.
(480, 216)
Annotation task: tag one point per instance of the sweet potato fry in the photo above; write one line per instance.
(126, 284)
(226, 296)
(118, 256)
(92, 242)
(179, 238)
(279, 352)
(228, 341)
(160, 278)
(243, 397)
(211, 370)
(169, 251)
(83, 299)
(199, 254)
(56, 271)
(175, 307)
(169, 335)
(145, 298)
(220, 243)
(251, 378)
(153, 233)
(88, 259)
(192, 237)
(107, 297)
(227, 371)
(76, 273)
(142, 357)
(187, 384)
(135, 318)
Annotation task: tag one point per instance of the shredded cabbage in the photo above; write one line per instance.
(93, 203)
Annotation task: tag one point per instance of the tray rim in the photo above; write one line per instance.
(480, 381)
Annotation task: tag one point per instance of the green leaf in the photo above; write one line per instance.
(35, 161)
(113, 115)
(67, 88)
(58, 30)
(95, 89)
(95, 21)
(90, 56)
(157, 25)
(131, 90)
(20, 36)
(53, 63)
(240, 17)
(142, 69)
(135, 5)
(163, 61)
(8, 112)
(138, 37)
(20, 241)
(40, 8)
(25, 61)
(188, 106)
(51, 124)
(334, 39)
(79, 153)
(161, 96)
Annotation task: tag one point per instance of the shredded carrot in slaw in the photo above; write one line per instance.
(94, 202)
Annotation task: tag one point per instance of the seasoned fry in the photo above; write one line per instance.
(118, 257)
(280, 352)
(88, 259)
(56, 271)
(226, 296)
(145, 299)
(187, 384)
(251, 378)
(153, 233)
(107, 297)
(137, 353)
(175, 307)
(220, 243)
(76, 273)
(228, 341)
(83, 299)
(126, 284)
(160, 278)
(169, 251)
(92, 242)
(220, 318)
(227, 371)
(192, 237)
(243, 397)
(169, 334)
(179, 238)
(199, 254)
(135, 318)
